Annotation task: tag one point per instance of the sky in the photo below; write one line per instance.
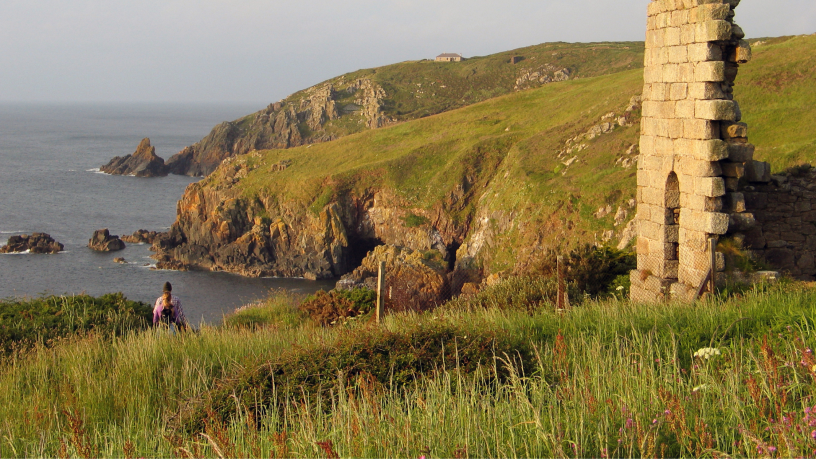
(253, 51)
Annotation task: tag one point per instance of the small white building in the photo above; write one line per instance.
(449, 57)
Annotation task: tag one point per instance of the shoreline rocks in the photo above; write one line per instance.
(103, 241)
(141, 236)
(142, 163)
(36, 243)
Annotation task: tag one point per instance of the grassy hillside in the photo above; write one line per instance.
(777, 94)
(420, 88)
(607, 379)
(527, 165)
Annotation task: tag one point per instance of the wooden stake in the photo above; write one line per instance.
(380, 290)
(712, 248)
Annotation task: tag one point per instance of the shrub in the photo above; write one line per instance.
(377, 358)
(593, 271)
(339, 305)
(514, 293)
(278, 310)
(24, 323)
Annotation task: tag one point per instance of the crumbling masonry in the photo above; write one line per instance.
(693, 149)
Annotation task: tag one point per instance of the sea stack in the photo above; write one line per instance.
(142, 163)
(103, 241)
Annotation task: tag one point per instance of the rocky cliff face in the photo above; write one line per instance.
(141, 163)
(218, 228)
(300, 119)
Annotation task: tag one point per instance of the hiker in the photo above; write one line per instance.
(168, 310)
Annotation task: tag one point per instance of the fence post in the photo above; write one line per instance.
(380, 289)
(712, 248)
(560, 300)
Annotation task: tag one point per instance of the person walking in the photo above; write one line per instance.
(168, 310)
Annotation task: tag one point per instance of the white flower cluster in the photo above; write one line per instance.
(707, 353)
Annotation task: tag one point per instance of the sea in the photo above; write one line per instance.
(50, 182)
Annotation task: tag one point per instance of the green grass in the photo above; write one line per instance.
(500, 158)
(777, 93)
(609, 378)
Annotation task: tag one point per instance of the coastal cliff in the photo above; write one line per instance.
(298, 120)
(485, 189)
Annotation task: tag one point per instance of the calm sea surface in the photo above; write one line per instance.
(49, 182)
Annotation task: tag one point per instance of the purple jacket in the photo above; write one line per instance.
(178, 312)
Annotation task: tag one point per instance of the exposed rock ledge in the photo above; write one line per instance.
(142, 163)
(36, 243)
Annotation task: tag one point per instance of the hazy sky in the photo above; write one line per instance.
(261, 51)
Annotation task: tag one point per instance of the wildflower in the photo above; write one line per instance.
(667, 412)
(813, 435)
(629, 423)
(772, 449)
(707, 353)
(654, 421)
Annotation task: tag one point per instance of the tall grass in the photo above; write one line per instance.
(608, 379)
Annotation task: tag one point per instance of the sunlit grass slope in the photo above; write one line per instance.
(608, 379)
(777, 95)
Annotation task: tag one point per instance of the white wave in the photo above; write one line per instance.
(12, 232)
(96, 170)
(27, 252)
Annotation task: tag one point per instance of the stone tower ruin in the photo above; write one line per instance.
(693, 148)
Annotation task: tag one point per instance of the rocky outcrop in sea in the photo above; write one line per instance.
(141, 236)
(141, 163)
(36, 243)
(103, 241)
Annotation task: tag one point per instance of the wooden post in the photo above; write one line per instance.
(380, 290)
(712, 248)
(561, 288)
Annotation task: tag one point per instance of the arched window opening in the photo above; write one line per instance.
(672, 235)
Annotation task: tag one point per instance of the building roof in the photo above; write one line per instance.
(449, 55)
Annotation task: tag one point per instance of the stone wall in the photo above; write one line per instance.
(785, 230)
(694, 152)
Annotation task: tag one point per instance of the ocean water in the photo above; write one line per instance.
(49, 182)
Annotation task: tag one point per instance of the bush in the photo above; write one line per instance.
(278, 310)
(339, 305)
(24, 323)
(593, 271)
(514, 293)
(377, 358)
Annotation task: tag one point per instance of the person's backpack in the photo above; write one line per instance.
(167, 314)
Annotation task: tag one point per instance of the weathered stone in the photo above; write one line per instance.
(713, 31)
(716, 110)
(142, 163)
(741, 222)
(757, 171)
(742, 53)
(732, 130)
(734, 202)
(36, 243)
(740, 152)
(103, 241)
